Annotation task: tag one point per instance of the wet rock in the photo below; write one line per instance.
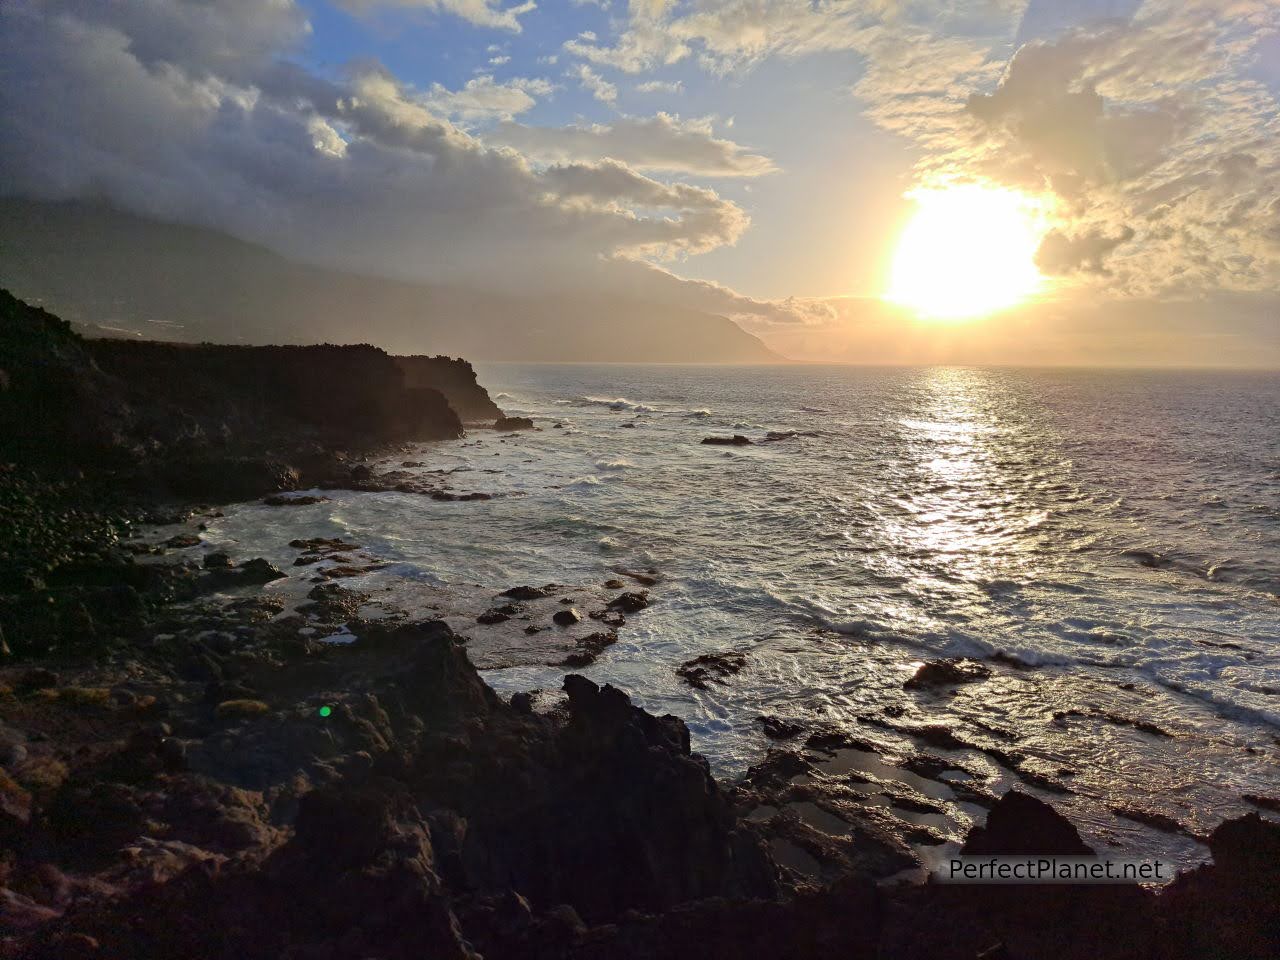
(1143, 725)
(1148, 558)
(1266, 803)
(737, 440)
(181, 541)
(710, 668)
(567, 617)
(589, 648)
(280, 500)
(631, 602)
(610, 618)
(937, 735)
(217, 561)
(1150, 818)
(492, 616)
(513, 423)
(775, 728)
(530, 593)
(323, 545)
(613, 584)
(941, 673)
(259, 570)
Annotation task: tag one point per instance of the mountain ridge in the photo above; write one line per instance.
(118, 273)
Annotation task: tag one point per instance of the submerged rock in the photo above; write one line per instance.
(775, 728)
(941, 673)
(710, 668)
(630, 602)
(737, 440)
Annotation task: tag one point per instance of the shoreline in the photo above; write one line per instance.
(172, 784)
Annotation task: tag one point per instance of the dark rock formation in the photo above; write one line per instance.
(456, 379)
(630, 602)
(513, 423)
(775, 728)
(942, 673)
(210, 421)
(737, 440)
(710, 668)
(426, 816)
(1022, 825)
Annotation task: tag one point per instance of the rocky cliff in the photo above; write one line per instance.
(456, 379)
(188, 413)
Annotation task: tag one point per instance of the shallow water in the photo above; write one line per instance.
(1117, 531)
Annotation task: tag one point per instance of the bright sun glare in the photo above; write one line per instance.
(968, 251)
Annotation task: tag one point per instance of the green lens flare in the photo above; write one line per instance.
(325, 711)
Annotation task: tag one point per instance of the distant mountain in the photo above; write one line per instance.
(112, 272)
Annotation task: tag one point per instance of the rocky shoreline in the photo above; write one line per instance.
(192, 766)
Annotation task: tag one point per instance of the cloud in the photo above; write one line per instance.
(660, 86)
(368, 174)
(596, 85)
(663, 142)
(482, 13)
(1061, 253)
(483, 98)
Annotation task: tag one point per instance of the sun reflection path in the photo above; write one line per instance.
(966, 504)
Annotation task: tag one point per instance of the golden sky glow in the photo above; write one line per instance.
(967, 251)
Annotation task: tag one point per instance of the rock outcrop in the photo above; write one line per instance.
(222, 422)
(456, 379)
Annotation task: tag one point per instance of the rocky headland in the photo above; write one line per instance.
(192, 766)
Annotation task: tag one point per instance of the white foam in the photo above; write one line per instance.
(615, 463)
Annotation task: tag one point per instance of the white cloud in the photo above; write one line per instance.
(484, 98)
(596, 85)
(662, 142)
(660, 86)
(483, 13)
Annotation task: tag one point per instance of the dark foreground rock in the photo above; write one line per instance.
(420, 816)
(737, 440)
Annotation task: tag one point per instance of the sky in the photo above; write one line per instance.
(761, 159)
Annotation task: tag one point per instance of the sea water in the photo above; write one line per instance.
(1112, 535)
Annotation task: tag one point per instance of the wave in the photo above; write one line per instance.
(616, 403)
(617, 463)
(622, 404)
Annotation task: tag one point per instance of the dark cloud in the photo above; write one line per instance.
(187, 111)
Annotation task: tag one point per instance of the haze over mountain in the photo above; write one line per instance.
(116, 273)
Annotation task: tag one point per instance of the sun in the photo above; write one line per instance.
(968, 251)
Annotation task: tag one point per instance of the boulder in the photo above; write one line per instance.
(567, 617)
(513, 423)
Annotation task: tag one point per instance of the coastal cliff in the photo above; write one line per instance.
(183, 412)
(456, 379)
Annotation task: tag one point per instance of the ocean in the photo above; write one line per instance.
(1107, 542)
